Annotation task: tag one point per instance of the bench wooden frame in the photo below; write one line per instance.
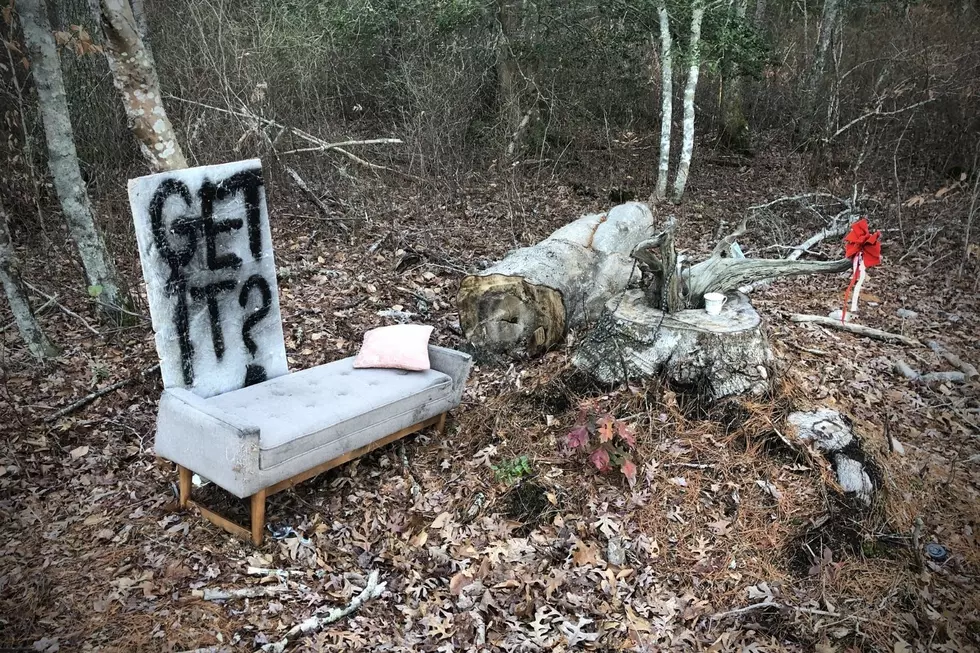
(258, 499)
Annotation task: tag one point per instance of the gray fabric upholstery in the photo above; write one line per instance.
(252, 438)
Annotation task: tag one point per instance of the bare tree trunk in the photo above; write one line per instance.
(509, 20)
(667, 100)
(760, 13)
(135, 77)
(103, 280)
(687, 147)
(815, 75)
(734, 126)
(38, 343)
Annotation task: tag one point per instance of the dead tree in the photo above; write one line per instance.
(524, 304)
(134, 75)
(37, 343)
(103, 280)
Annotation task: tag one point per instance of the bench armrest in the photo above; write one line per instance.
(454, 364)
(196, 434)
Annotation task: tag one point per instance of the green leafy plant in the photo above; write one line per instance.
(616, 441)
(510, 471)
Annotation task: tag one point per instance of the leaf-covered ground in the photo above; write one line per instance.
(726, 515)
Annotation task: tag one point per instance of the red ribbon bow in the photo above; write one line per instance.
(862, 247)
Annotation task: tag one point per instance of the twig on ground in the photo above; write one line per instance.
(968, 370)
(917, 544)
(241, 593)
(905, 370)
(769, 603)
(65, 309)
(372, 590)
(324, 209)
(92, 396)
(281, 573)
(869, 332)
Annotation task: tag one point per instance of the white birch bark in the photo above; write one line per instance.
(687, 146)
(100, 272)
(667, 100)
(37, 343)
(134, 75)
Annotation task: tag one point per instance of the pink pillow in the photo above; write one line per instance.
(399, 347)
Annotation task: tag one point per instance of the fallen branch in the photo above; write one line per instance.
(804, 248)
(65, 309)
(905, 370)
(768, 603)
(281, 573)
(372, 590)
(92, 396)
(324, 209)
(869, 332)
(240, 593)
(320, 144)
(968, 370)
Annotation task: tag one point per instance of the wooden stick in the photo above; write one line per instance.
(856, 328)
(209, 594)
(905, 370)
(373, 590)
(258, 517)
(969, 370)
(324, 209)
(92, 396)
(67, 311)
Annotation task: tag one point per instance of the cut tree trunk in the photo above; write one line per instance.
(135, 77)
(103, 280)
(524, 304)
(716, 355)
(37, 343)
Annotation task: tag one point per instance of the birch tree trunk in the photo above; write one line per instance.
(100, 272)
(666, 101)
(687, 146)
(37, 343)
(134, 75)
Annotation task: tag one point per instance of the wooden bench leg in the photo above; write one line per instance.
(441, 425)
(185, 485)
(258, 517)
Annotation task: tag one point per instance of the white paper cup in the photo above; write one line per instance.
(713, 301)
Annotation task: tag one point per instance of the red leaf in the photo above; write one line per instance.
(605, 424)
(626, 434)
(629, 471)
(600, 458)
(577, 437)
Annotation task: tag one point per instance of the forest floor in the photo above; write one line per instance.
(725, 517)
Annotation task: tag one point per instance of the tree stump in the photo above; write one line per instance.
(719, 355)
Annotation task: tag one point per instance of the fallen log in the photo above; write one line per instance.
(715, 355)
(524, 304)
(832, 434)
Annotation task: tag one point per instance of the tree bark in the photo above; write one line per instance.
(524, 304)
(734, 126)
(666, 100)
(818, 67)
(687, 146)
(135, 77)
(509, 21)
(37, 343)
(714, 356)
(103, 280)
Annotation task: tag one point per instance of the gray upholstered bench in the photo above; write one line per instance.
(270, 436)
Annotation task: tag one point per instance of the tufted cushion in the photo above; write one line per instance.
(332, 406)
(402, 347)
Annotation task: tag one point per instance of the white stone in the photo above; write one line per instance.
(176, 268)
